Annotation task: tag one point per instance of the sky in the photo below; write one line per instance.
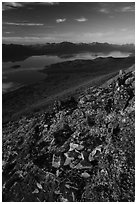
(45, 22)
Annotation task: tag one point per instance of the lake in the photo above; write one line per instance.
(20, 73)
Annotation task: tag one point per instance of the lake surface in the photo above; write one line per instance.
(20, 73)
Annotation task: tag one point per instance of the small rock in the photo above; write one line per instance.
(68, 161)
(56, 160)
(80, 147)
(39, 186)
(129, 80)
(77, 166)
(67, 186)
(62, 199)
(57, 192)
(35, 191)
(85, 175)
(124, 120)
(73, 146)
(92, 154)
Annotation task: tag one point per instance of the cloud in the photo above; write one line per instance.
(28, 39)
(104, 7)
(104, 10)
(15, 5)
(124, 29)
(7, 32)
(48, 3)
(98, 34)
(50, 37)
(11, 5)
(83, 19)
(60, 20)
(23, 24)
(110, 8)
(111, 16)
(127, 9)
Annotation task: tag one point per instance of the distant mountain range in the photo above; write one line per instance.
(15, 51)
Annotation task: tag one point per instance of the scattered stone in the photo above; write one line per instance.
(76, 146)
(94, 152)
(68, 161)
(39, 186)
(56, 161)
(85, 175)
(81, 151)
(35, 191)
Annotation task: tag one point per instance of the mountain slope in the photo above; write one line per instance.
(82, 150)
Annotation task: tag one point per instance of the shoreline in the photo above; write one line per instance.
(62, 78)
(41, 70)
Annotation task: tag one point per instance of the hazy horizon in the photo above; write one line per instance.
(77, 22)
(7, 43)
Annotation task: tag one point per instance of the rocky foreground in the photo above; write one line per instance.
(82, 150)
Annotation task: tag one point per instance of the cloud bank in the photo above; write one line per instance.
(60, 20)
(16, 5)
(23, 24)
(83, 19)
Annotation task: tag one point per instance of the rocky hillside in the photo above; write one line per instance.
(82, 150)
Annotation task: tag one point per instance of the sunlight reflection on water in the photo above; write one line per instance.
(27, 71)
